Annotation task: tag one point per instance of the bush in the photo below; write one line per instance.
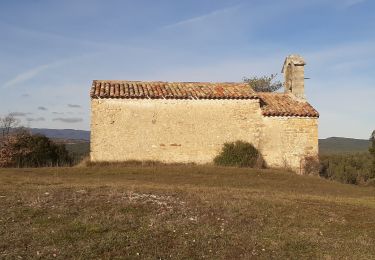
(347, 168)
(26, 150)
(240, 154)
(312, 165)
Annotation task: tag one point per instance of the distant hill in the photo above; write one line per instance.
(343, 145)
(70, 134)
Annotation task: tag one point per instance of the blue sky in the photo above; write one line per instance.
(50, 51)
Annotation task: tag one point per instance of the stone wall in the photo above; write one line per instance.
(286, 141)
(194, 131)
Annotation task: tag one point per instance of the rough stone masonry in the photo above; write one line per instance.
(183, 122)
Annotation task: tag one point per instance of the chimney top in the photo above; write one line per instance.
(294, 75)
(294, 59)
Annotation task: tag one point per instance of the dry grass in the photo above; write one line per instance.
(175, 212)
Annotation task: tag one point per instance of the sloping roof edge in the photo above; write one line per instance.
(285, 105)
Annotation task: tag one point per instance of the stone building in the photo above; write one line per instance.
(190, 121)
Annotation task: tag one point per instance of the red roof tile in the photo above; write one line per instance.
(272, 104)
(280, 104)
(170, 90)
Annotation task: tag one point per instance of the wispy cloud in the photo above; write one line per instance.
(201, 18)
(97, 46)
(68, 119)
(58, 113)
(32, 73)
(25, 95)
(42, 108)
(349, 3)
(224, 70)
(38, 119)
(338, 63)
(29, 74)
(347, 51)
(74, 106)
(50, 36)
(19, 114)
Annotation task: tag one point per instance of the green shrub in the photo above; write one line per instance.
(347, 168)
(264, 84)
(240, 154)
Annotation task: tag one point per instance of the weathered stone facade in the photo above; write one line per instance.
(194, 130)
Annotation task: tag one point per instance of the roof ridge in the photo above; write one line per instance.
(171, 90)
(170, 82)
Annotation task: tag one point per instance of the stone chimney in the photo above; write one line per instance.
(294, 75)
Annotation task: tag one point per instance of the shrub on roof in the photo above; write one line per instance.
(240, 154)
(264, 84)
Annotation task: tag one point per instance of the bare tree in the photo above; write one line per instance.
(7, 123)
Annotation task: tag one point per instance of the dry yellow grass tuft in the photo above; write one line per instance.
(182, 212)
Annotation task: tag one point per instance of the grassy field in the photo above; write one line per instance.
(176, 212)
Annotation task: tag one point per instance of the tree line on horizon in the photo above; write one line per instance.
(352, 168)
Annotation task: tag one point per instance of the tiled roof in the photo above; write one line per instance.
(272, 104)
(280, 104)
(171, 90)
